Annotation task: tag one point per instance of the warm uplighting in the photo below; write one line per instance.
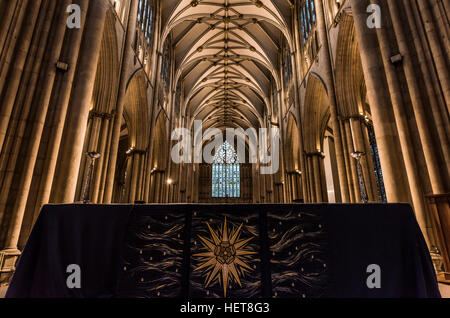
(169, 181)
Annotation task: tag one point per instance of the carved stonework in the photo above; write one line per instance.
(8, 260)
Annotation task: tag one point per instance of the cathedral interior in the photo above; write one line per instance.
(91, 92)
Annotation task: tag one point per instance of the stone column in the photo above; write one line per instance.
(140, 188)
(127, 181)
(440, 112)
(12, 35)
(75, 128)
(157, 60)
(135, 159)
(156, 185)
(90, 144)
(262, 184)
(289, 184)
(24, 111)
(311, 183)
(439, 57)
(8, 19)
(394, 171)
(350, 150)
(124, 77)
(14, 66)
(151, 194)
(151, 143)
(9, 255)
(317, 176)
(106, 159)
(297, 71)
(59, 105)
(101, 163)
(435, 173)
(348, 163)
(405, 148)
(329, 80)
(370, 162)
(359, 145)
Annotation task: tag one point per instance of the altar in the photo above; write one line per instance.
(234, 251)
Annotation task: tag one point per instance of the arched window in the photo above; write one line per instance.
(145, 18)
(145, 34)
(307, 14)
(309, 43)
(226, 175)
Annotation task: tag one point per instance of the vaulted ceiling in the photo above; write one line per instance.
(227, 57)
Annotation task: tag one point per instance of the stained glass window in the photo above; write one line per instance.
(145, 32)
(166, 64)
(226, 173)
(287, 67)
(307, 17)
(377, 164)
(145, 18)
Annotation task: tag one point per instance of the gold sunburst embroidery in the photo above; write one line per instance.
(226, 256)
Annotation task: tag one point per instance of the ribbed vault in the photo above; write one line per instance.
(227, 57)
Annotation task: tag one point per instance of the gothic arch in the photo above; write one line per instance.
(350, 85)
(105, 87)
(103, 102)
(136, 112)
(160, 144)
(316, 114)
(292, 146)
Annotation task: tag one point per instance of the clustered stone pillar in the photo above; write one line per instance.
(361, 144)
(28, 53)
(124, 77)
(410, 119)
(316, 177)
(381, 107)
(38, 61)
(135, 171)
(57, 114)
(13, 62)
(97, 135)
(71, 149)
(41, 108)
(414, 89)
(323, 36)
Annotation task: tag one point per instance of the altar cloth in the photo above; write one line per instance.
(233, 250)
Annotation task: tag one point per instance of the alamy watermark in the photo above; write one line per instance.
(74, 279)
(374, 279)
(374, 20)
(74, 18)
(263, 146)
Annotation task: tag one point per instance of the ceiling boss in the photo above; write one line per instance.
(226, 257)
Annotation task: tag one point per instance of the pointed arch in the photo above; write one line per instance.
(316, 114)
(350, 85)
